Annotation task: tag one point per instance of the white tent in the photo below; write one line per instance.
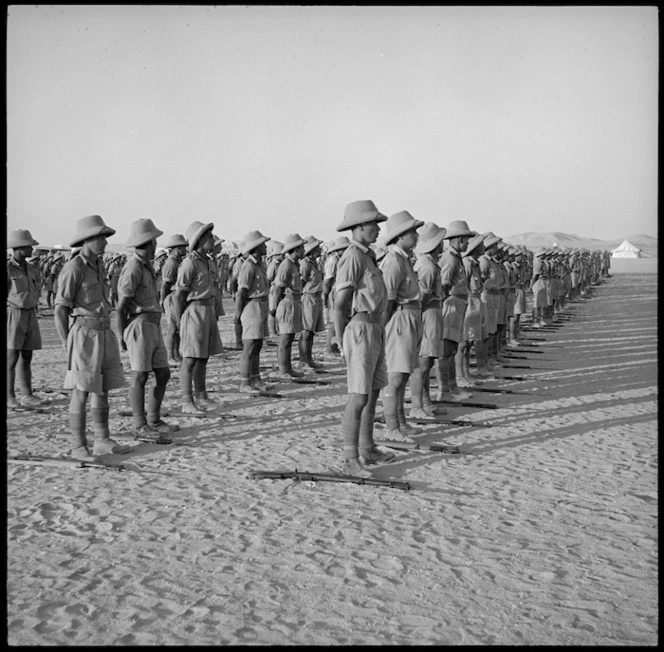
(626, 250)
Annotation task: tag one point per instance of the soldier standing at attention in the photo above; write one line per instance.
(334, 253)
(403, 321)
(23, 335)
(361, 293)
(474, 322)
(94, 365)
(288, 294)
(312, 302)
(273, 258)
(176, 246)
(195, 299)
(139, 323)
(455, 286)
(428, 249)
(491, 300)
(252, 310)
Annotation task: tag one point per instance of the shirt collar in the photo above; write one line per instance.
(359, 245)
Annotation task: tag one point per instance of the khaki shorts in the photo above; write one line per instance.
(539, 294)
(289, 316)
(454, 312)
(364, 350)
(491, 304)
(403, 336)
(23, 330)
(199, 333)
(312, 313)
(502, 310)
(474, 321)
(520, 302)
(432, 333)
(93, 360)
(145, 345)
(254, 320)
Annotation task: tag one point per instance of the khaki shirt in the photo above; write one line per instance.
(23, 286)
(138, 282)
(311, 277)
(169, 272)
(288, 278)
(400, 278)
(428, 276)
(357, 269)
(490, 273)
(82, 287)
(473, 274)
(452, 274)
(196, 275)
(253, 277)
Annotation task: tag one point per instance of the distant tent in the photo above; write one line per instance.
(626, 250)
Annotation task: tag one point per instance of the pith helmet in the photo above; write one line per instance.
(292, 241)
(457, 229)
(20, 238)
(342, 242)
(360, 212)
(90, 227)
(311, 243)
(195, 232)
(176, 240)
(400, 223)
(431, 235)
(143, 231)
(252, 240)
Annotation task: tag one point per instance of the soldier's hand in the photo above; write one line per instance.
(123, 344)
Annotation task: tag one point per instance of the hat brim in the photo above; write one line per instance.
(199, 234)
(352, 222)
(310, 246)
(427, 246)
(293, 245)
(459, 234)
(473, 245)
(144, 238)
(18, 244)
(106, 231)
(254, 244)
(404, 228)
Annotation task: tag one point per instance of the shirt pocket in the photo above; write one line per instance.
(19, 282)
(92, 292)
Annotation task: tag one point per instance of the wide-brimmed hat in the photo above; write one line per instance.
(195, 232)
(20, 238)
(292, 241)
(540, 253)
(473, 243)
(360, 212)
(490, 239)
(143, 231)
(400, 223)
(90, 227)
(431, 235)
(311, 243)
(380, 250)
(342, 242)
(160, 252)
(252, 240)
(176, 240)
(457, 229)
(274, 248)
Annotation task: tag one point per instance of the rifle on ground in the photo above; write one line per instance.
(409, 446)
(328, 477)
(63, 461)
(488, 406)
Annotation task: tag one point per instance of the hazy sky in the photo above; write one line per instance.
(274, 118)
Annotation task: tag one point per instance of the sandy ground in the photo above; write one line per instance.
(543, 531)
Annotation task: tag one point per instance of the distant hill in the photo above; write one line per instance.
(646, 243)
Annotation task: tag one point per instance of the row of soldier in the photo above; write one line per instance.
(424, 298)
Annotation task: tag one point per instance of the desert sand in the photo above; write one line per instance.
(543, 531)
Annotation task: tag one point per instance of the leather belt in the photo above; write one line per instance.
(435, 303)
(203, 302)
(95, 323)
(410, 305)
(154, 317)
(491, 291)
(370, 318)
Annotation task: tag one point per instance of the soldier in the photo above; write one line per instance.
(334, 253)
(159, 260)
(176, 246)
(237, 263)
(213, 257)
(194, 300)
(288, 303)
(24, 282)
(428, 250)
(252, 310)
(538, 288)
(455, 286)
(54, 275)
(312, 302)
(113, 274)
(490, 297)
(521, 275)
(403, 321)
(361, 292)
(139, 324)
(473, 332)
(273, 258)
(94, 365)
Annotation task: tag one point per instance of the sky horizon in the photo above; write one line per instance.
(515, 119)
